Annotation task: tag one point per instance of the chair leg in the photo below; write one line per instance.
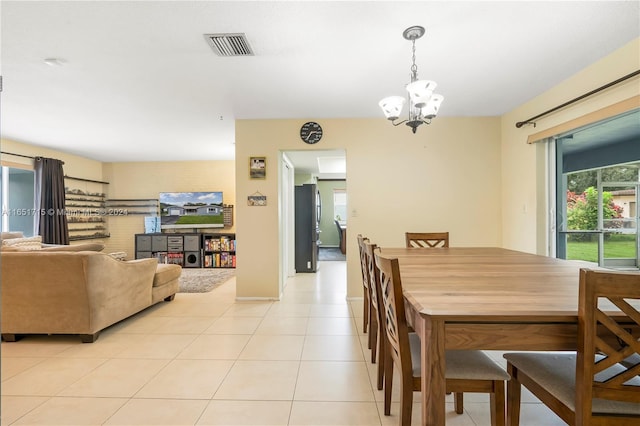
(513, 397)
(388, 383)
(373, 336)
(406, 403)
(365, 316)
(382, 355)
(458, 402)
(497, 399)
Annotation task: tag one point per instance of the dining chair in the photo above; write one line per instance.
(340, 235)
(426, 239)
(590, 386)
(465, 370)
(379, 343)
(365, 285)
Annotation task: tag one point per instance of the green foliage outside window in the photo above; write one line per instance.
(582, 211)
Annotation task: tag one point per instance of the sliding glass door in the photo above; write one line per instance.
(619, 201)
(17, 195)
(599, 216)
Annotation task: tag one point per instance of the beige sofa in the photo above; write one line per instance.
(83, 292)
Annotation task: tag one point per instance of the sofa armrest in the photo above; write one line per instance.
(124, 286)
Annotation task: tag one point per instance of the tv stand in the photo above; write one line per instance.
(189, 250)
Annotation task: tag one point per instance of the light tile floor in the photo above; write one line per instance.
(204, 359)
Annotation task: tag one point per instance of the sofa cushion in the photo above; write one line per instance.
(74, 247)
(165, 273)
(25, 243)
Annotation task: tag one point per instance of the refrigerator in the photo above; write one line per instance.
(308, 210)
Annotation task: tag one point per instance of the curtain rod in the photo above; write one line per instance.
(23, 156)
(18, 155)
(65, 176)
(606, 86)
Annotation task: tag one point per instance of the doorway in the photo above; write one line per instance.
(307, 167)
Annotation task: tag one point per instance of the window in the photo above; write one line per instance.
(601, 217)
(17, 194)
(340, 205)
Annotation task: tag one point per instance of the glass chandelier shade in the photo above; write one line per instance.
(423, 102)
(392, 106)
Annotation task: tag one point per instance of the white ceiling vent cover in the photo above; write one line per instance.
(229, 44)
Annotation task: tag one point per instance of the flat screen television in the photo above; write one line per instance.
(191, 210)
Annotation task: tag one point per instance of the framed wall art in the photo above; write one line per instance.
(257, 199)
(257, 167)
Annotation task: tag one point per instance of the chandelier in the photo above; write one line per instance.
(423, 103)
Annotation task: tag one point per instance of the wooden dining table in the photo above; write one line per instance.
(484, 298)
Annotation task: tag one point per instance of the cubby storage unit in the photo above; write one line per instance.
(188, 250)
(180, 249)
(219, 250)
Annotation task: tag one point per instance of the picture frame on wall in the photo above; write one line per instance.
(257, 167)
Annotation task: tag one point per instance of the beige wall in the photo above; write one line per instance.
(523, 185)
(142, 180)
(445, 177)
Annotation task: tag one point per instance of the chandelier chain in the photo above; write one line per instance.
(414, 67)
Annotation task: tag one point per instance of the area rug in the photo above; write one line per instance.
(203, 280)
(331, 253)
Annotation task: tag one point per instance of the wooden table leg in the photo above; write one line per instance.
(433, 368)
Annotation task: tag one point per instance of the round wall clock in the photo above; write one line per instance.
(311, 132)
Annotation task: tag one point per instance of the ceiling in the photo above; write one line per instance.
(137, 81)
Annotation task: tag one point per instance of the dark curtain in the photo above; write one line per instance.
(50, 199)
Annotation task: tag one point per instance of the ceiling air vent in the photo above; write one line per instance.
(229, 44)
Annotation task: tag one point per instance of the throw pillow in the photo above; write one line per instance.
(119, 255)
(9, 235)
(27, 243)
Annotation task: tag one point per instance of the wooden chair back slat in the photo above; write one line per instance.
(363, 260)
(605, 316)
(373, 274)
(426, 239)
(392, 303)
(378, 316)
(366, 305)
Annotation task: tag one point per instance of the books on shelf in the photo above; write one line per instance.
(224, 259)
(221, 243)
(168, 257)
